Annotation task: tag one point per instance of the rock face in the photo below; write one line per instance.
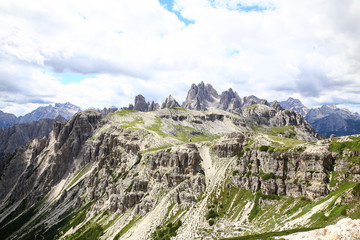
(170, 102)
(20, 134)
(201, 97)
(96, 174)
(143, 106)
(230, 101)
(291, 174)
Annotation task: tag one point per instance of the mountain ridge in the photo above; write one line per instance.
(208, 173)
(66, 110)
(327, 119)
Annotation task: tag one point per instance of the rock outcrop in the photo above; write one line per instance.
(201, 97)
(170, 102)
(230, 101)
(143, 106)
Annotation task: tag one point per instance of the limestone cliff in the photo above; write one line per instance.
(178, 173)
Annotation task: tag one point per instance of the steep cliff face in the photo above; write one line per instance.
(201, 97)
(20, 134)
(176, 172)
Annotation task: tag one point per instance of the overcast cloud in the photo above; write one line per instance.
(274, 49)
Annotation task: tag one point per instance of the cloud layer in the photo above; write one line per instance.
(270, 48)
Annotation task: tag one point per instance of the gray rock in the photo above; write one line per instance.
(200, 97)
(170, 102)
(294, 104)
(20, 134)
(230, 101)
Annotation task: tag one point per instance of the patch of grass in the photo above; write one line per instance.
(156, 149)
(333, 180)
(251, 106)
(250, 141)
(356, 190)
(125, 175)
(76, 218)
(156, 127)
(18, 222)
(256, 208)
(287, 143)
(268, 176)
(78, 174)
(268, 235)
(282, 130)
(167, 231)
(185, 134)
(128, 226)
(132, 124)
(264, 148)
(300, 202)
(129, 188)
(348, 145)
(178, 108)
(123, 112)
(211, 214)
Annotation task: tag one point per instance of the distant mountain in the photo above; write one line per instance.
(330, 119)
(326, 110)
(66, 110)
(327, 119)
(19, 134)
(295, 104)
(7, 119)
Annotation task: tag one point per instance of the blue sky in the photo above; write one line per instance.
(273, 49)
(67, 78)
(169, 5)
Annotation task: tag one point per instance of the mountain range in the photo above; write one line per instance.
(215, 167)
(66, 110)
(327, 119)
(38, 123)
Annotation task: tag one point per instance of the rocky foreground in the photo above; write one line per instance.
(181, 174)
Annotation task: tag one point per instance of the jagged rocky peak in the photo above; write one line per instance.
(294, 104)
(143, 106)
(251, 100)
(140, 103)
(170, 102)
(276, 105)
(201, 97)
(230, 101)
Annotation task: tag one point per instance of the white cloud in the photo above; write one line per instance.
(305, 49)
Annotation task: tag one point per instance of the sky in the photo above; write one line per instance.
(103, 53)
